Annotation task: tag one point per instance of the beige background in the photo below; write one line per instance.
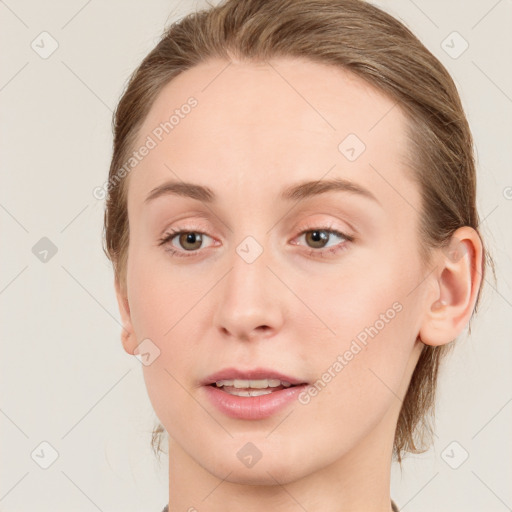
(64, 376)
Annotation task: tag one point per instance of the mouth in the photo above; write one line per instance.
(251, 394)
(252, 387)
(251, 382)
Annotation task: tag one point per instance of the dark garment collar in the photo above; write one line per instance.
(393, 506)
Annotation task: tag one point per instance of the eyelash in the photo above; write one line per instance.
(167, 238)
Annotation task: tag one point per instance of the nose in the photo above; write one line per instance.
(249, 300)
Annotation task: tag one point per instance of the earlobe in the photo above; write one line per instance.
(127, 335)
(458, 277)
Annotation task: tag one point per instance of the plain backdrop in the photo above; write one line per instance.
(71, 398)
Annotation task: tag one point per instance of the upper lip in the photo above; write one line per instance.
(249, 374)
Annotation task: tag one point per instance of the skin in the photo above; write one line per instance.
(251, 135)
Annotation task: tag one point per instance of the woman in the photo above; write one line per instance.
(291, 219)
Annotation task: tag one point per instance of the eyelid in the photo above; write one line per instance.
(328, 250)
(326, 226)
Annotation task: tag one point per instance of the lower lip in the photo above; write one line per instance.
(252, 407)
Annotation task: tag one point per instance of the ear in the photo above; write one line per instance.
(128, 338)
(457, 279)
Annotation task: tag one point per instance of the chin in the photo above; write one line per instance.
(256, 462)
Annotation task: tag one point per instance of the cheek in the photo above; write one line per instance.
(364, 301)
(360, 372)
(372, 318)
(166, 307)
(158, 296)
(162, 311)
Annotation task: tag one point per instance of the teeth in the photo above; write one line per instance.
(254, 384)
(251, 392)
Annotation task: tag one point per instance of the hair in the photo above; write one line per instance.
(357, 37)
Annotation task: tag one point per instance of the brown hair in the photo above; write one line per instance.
(360, 38)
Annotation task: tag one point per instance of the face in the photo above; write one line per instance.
(318, 285)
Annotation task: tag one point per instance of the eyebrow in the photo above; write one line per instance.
(297, 191)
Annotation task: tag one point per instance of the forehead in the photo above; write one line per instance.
(269, 123)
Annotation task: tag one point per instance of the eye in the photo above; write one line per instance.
(190, 241)
(318, 237)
